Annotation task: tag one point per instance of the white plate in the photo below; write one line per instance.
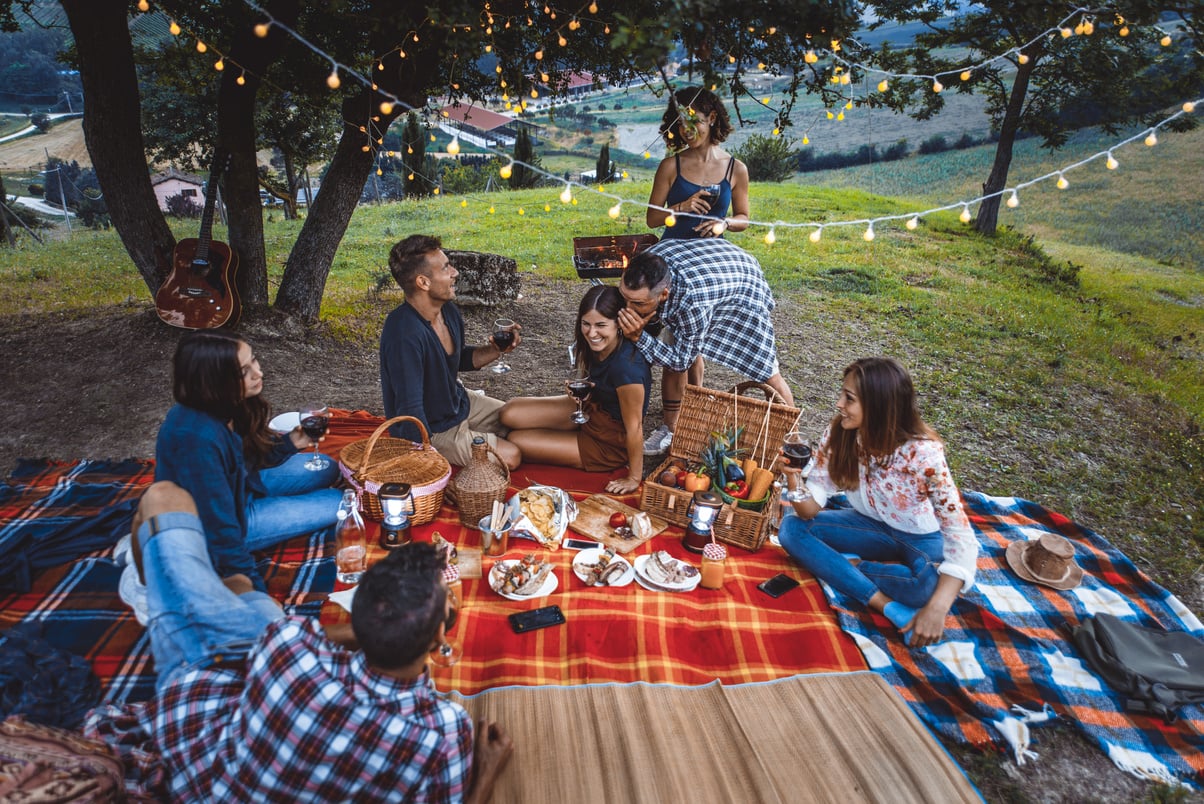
(587, 558)
(285, 422)
(651, 585)
(549, 584)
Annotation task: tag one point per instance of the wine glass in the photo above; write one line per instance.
(710, 194)
(503, 338)
(798, 455)
(579, 390)
(315, 419)
(448, 652)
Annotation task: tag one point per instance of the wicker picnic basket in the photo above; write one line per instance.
(371, 462)
(479, 484)
(765, 422)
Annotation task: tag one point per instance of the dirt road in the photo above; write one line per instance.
(28, 154)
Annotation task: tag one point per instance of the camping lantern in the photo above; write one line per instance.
(702, 512)
(398, 505)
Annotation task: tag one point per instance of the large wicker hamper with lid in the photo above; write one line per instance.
(704, 411)
(369, 463)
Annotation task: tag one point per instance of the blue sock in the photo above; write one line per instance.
(900, 616)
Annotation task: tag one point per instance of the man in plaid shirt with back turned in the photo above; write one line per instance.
(715, 301)
(255, 706)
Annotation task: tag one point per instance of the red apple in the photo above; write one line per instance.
(618, 519)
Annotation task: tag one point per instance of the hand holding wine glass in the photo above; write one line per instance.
(579, 390)
(505, 334)
(448, 652)
(798, 454)
(315, 419)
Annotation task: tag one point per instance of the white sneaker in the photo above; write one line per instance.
(658, 441)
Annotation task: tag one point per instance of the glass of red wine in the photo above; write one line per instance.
(710, 194)
(315, 419)
(579, 390)
(503, 338)
(449, 651)
(798, 455)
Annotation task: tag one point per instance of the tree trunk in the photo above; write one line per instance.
(113, 133)
(236, 135)
(290, 177)
(988, 212)
(329, 213)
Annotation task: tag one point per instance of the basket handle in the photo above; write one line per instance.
(426, 440)
(502, 463)
(771, 395)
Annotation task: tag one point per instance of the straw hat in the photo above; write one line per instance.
(1048, 561)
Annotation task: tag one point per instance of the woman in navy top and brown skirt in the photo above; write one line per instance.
(703, 188)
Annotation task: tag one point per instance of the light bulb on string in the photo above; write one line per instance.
(491, 209)
(1062, 184)
(1022, 58)
(816, 234)
(1088, 28)
(261, 29)
(913, 222)
(965, 76)
(453, 147)
(143, 5)
(464, 202)
(1111, 164)
(521, 211)
(1013, 200)
(770, 237)
(386, 107)
(1165, 41)
(506, 170)
(671, 220)
(616, 210)
(379, 172)
(173, 29)
(593, 8)
(719, 227)
(1189, 107)
(201, 47)
(868, 235)
(1151, 139)
(547, 207)
(965, 216)
(1066, 33)
(220, 64)
(566, 195)
(883, 85)
(332, 80)
(242, 78)
(937, 86)
(1124, 31)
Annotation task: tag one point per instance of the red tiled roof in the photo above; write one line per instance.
(477, 117)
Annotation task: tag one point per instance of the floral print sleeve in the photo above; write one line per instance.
(819, 482)
(934, 481)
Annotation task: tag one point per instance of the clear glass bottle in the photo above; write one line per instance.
(350, 541)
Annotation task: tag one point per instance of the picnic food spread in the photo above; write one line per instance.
(520, 578)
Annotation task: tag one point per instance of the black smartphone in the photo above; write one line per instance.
(778, 585)
(523, 621)
(581, 544)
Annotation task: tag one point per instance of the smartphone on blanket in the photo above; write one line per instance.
(523, 621)
(778, 585)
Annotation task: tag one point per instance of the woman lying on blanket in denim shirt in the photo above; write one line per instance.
(250, 485)
(905, 548)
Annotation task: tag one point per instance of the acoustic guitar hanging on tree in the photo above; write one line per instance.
(200, 293)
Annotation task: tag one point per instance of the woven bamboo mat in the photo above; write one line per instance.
(840, 737)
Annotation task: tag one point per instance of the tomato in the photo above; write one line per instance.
(618, 519)
(681, 479)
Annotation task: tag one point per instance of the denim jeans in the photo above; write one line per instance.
(299, 501)
(910, 576)
(192, 618)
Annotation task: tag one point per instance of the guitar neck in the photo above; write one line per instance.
(202, 246)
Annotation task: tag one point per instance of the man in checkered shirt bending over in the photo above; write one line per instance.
(255, 706)
(715, 301)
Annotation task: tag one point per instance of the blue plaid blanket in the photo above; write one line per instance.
(1007, 661)
(71, 514)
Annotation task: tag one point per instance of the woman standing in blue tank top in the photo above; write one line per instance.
(699, 183)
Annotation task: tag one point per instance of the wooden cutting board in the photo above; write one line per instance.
(593, 522)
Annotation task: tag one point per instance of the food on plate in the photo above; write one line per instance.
(605, 570)
(618, 519)
(539, 507)
(662, 568)
(524, 577)
(641, 525)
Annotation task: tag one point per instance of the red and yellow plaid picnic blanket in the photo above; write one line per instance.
(735, 634)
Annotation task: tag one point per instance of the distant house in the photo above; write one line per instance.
(173, 182)
(483, 127)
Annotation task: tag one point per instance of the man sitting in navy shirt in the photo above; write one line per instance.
(422, 351)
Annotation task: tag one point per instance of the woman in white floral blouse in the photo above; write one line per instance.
(905, 547)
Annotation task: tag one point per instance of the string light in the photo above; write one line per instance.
(670, 220)
(566, 195)
(883, 85)
(453, 147)
(332, 80)
(1111, 164)
(913, 222)
(242, 78)
(868, 236)
(143, 5)
(506, 170)
(770, 237)
(1151, 139)
(174, 28)
(1189, 107)
(261, 30)
(1013, 200)
(615, 211)
(201, 47)
(219, 65)
(965, 216)
(1062, 184)
(937, 86)
(816, 234)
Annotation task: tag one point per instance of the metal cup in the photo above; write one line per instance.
(493, 542)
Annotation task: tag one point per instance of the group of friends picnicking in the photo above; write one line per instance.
(254, 705)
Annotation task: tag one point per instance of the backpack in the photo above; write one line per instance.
(1156, 671)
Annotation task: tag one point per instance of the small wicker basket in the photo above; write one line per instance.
(371, 462)
(478, 485)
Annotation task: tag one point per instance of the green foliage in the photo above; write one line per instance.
(182, 206)
(767, 158)
(413, 158)
(522, 176)
(40, 121)
(36, 190)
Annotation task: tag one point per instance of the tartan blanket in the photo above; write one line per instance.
(1007, 660)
